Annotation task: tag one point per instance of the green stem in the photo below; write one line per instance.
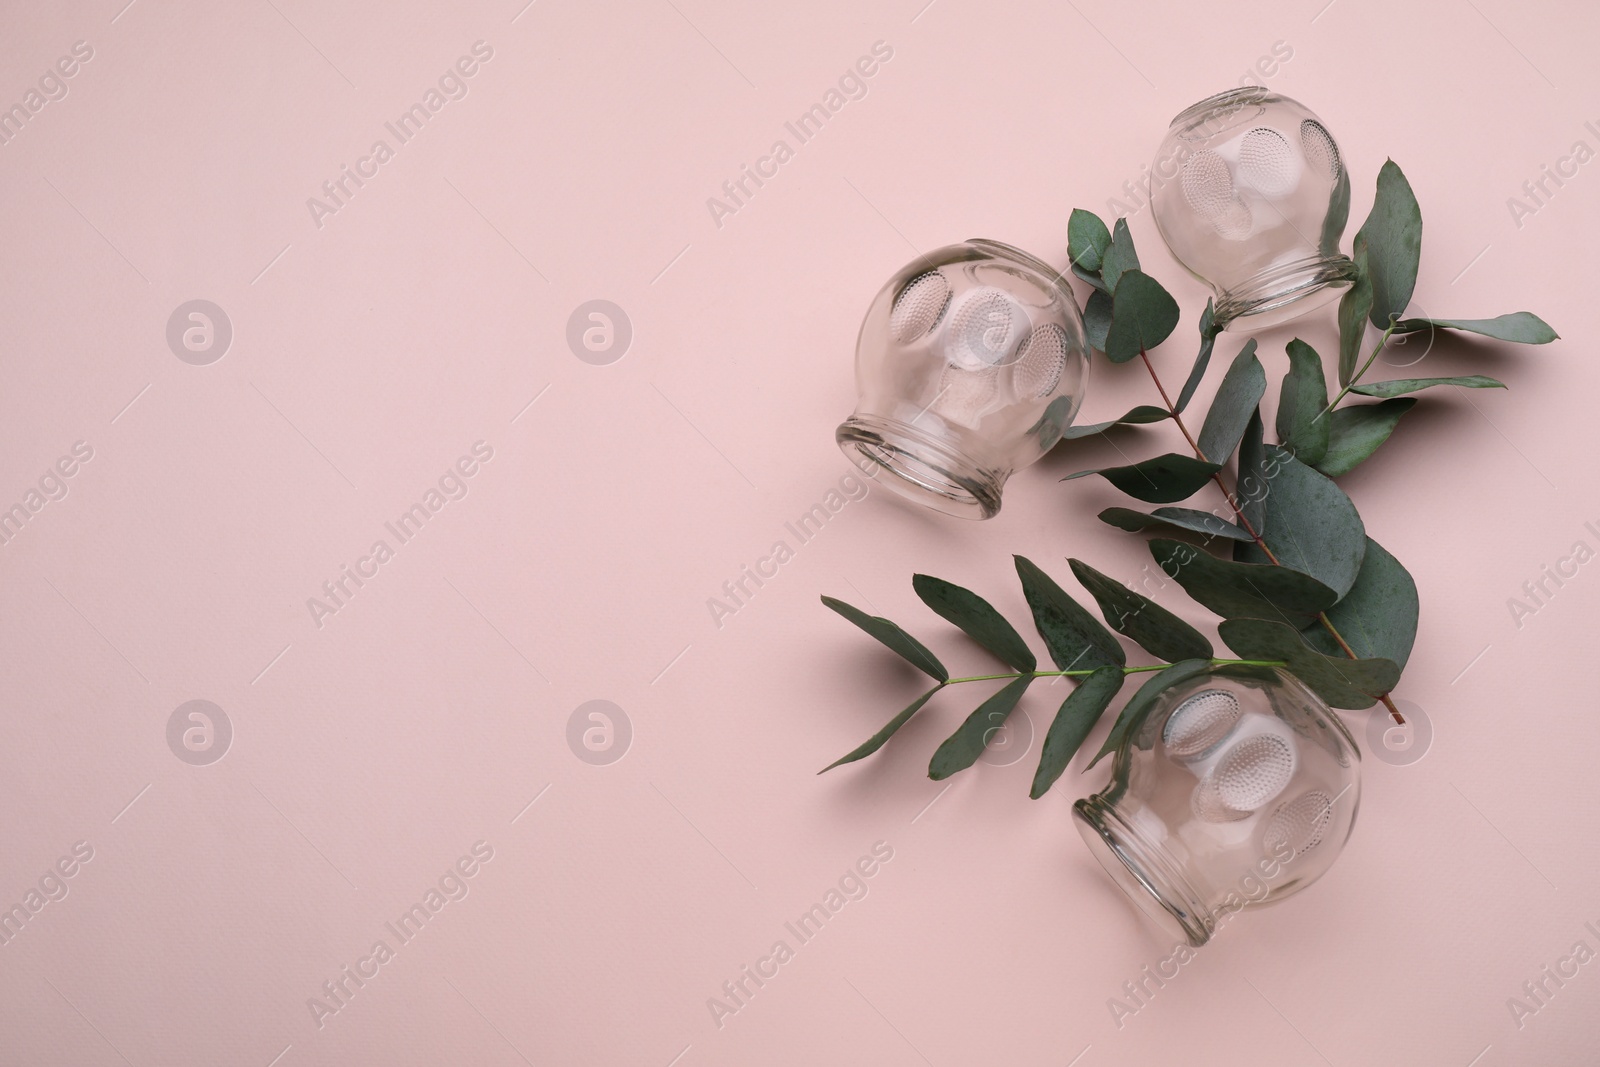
(1356, 378)
(1125, 670)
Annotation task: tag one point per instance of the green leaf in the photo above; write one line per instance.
(894, 638)
(1312, 527)
(1087, 239)
(1144, 413)
(1354, 307)
(1333, 222)
(1076, 639)
(1394, 245)
(1342, 682)
(1097, 320)
(1251, 491)
(1054, 423)
(1243, 590)
(1166, 479)
(1079, 712)
(1143, 314)
(1241, 390)
(1209, 329)
(875, 742)
(1118, 257)
(977, 618)
(1523, 327)
(1378, 617)
(1401, 386)
(1301, 425)
(1138, 705)
(1356, 430)
(1187, 519)
(1132, 614)
(962, 748)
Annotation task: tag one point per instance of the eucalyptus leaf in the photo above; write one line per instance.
(894, 638)
(1333, 222)
(1079, 712)
(876, 741)
(1140, 415)
(1342, 682)
(1354, 307)
(1378, 617)
(1209, 329)
(1075, 638)
(1301, 425)
(1054, 423)
(1132, 614)
(1186, 519)
(961, 749)
(1401, 386)
(1143, 314)
(1312, 527)
(1251, 492)
(1087, 239)
(977, 618)
(1243, 590)
(1166, 479)
(1138, 705)
(1241, 390)
(1118, 256)
(1356, 430)
(1394, 245)
(1097, 319)
(1523, 327)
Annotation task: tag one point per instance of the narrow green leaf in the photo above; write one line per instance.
(1054, 423)
(894, 638)
(1241, 390)
(1312, 527)
(1394, 245)
(1097, 319)
(1356, 430)
(1333, 222)
(1143, 314)
(1138, 705)
(1144, 413)
(1301, 425)
(962, 748)
(1209, 329)
(1075, 638)
(1118, 256)
(1079, 712)
(1523, 327)
(1132, 614)
(1243, 590)
(1186, 519)
(1378, 617)
(1087, 239)
(1354, 307)
(1401, 386)
(875, 742)
(1342, 682)
(1166, 479)
(1251, 490)
(977, 618)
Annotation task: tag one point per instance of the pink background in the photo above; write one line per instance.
(369, 353)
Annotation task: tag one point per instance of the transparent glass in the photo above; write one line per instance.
(1239, 787)
(1250, 193)
(969, 364)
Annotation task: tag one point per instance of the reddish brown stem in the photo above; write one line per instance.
(1238, 512)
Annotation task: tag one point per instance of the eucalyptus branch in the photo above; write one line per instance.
(1238, 510)
(1355, 379)
(1014, 675)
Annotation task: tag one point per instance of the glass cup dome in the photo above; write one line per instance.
(970, 364)
(1251, 195)
(1239, 787)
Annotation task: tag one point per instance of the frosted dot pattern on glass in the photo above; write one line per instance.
(1322, 155)
(1198, 724)
(1298, 825)
(1267, 164)
(918, 306)
(1253, 771)
(984, 329)
(1040, 361)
